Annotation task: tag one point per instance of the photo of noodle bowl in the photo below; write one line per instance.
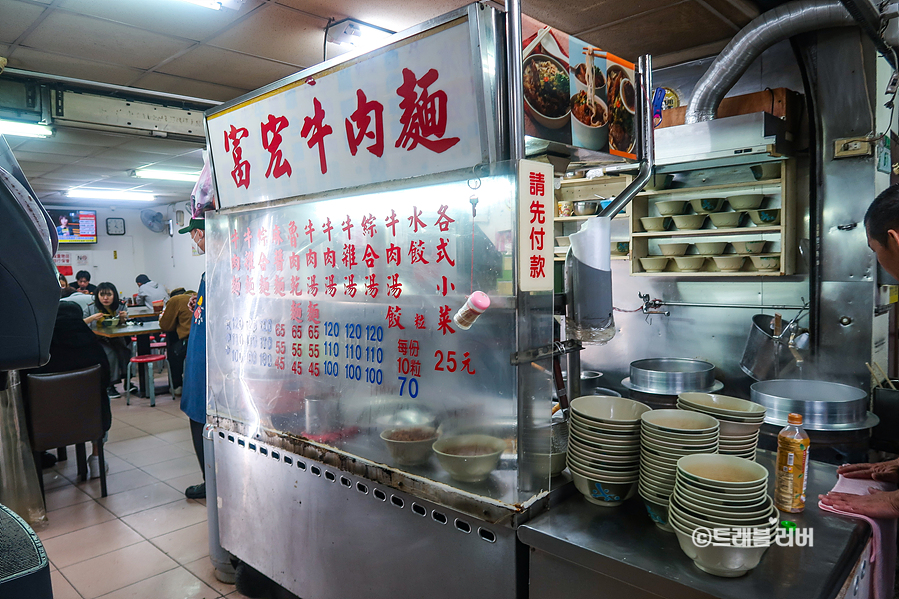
(590, 122)
(622, 98)
(579, 74)
(546, 89)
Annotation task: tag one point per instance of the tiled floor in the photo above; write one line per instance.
(145, 540)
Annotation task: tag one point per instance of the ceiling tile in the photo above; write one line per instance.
(61, 64)
(241, 70)
(681, 26)
(32, 156)
(49, 146)
(161, 146)
(93, 39)
(126, 155)
(395, 15)
(188, 87)
(574, 17)
(17, 17)
(277, 33)
(186, 162)
(168, 17)
(35, 169)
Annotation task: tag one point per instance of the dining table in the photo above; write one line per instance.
(141, 330)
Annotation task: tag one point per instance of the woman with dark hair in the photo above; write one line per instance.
(106, 305)
(74, 347)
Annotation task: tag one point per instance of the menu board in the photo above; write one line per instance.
(345, 300)
(559, 105)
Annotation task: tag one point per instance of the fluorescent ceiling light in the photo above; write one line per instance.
(150, 173)
(206, 3)
(350, 32)
(25, 129)
(107, 194)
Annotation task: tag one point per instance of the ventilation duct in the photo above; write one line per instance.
(761, 33)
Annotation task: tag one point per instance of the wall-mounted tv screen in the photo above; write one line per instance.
(75, 226)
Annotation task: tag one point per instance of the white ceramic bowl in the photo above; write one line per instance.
(679, 421)
(689, 221)
(673, 249)
(671, 207)
(707, 205)
(727, 220)
(765, 218)
(658, 513)
(710, 248)
(655, 223)
(724, 472)
(738, 514)
(689, 263)
(679, 446)
(727, 562)
(746, 201)
(687, 437)
(604, 493)
(723, 404)
(654, 263)
(604, 427)
(765, 263)
(749, 247)
(593, 448)
(609, 410)
(652, 493)
(729, 262)
(410, 453)
(452, 455)
(722, 499)
(690, 515)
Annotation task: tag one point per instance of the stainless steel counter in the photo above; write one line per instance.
(581, 550)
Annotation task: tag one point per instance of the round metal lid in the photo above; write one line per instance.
(626, 383)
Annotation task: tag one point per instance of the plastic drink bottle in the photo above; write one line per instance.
(792, 466)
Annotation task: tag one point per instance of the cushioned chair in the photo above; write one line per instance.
(66, 408)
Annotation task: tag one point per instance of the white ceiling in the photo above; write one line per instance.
(179, 48)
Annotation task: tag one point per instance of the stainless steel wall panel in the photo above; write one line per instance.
(326, 534)
(844, 348)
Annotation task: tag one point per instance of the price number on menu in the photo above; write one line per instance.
(412, 386)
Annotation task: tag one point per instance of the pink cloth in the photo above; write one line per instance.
(883, 535)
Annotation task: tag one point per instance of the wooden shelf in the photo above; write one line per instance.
(558, 258)
(571, 219)
(710, 232)
(741, 186)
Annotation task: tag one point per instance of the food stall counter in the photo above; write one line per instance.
(578, 550)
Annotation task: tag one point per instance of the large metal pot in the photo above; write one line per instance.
(765, 355)
(670, 376)
(824, 406)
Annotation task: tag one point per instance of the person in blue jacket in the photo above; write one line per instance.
(193, 393)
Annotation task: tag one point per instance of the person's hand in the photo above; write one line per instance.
(192, 303)
(879, 504)
(94, 317)
(881, 471)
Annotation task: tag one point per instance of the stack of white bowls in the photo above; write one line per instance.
(726, 493)
(665, 437)
(604, 447)
(740, 420)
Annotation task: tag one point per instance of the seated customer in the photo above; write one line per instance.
(106, 304)
(83, 282)
(175, 321)
(74, 347)
(148, 291)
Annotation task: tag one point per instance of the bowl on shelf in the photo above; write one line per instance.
(410, 446)
(654, 263)
(563, 240)
(689, 263)
(658, 182)
(768, 170)
(689, 221)
(746, 201)
(749, 247)
(469, 458)
(710, 248)
(729, 263)
(566, 208)
(621, 248)
(673, 249)
(586, 207)
(656, 223)
(671, 207)
(726, 220)
(766, 263)
(707, 205)
(765, 218)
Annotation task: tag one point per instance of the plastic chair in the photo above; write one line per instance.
(147, 361)
(66, 408)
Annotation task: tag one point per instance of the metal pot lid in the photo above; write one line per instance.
(823, 405)
(670, 376)
(626, 382)
(870, 421)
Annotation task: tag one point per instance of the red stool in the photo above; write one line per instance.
(146, 360)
